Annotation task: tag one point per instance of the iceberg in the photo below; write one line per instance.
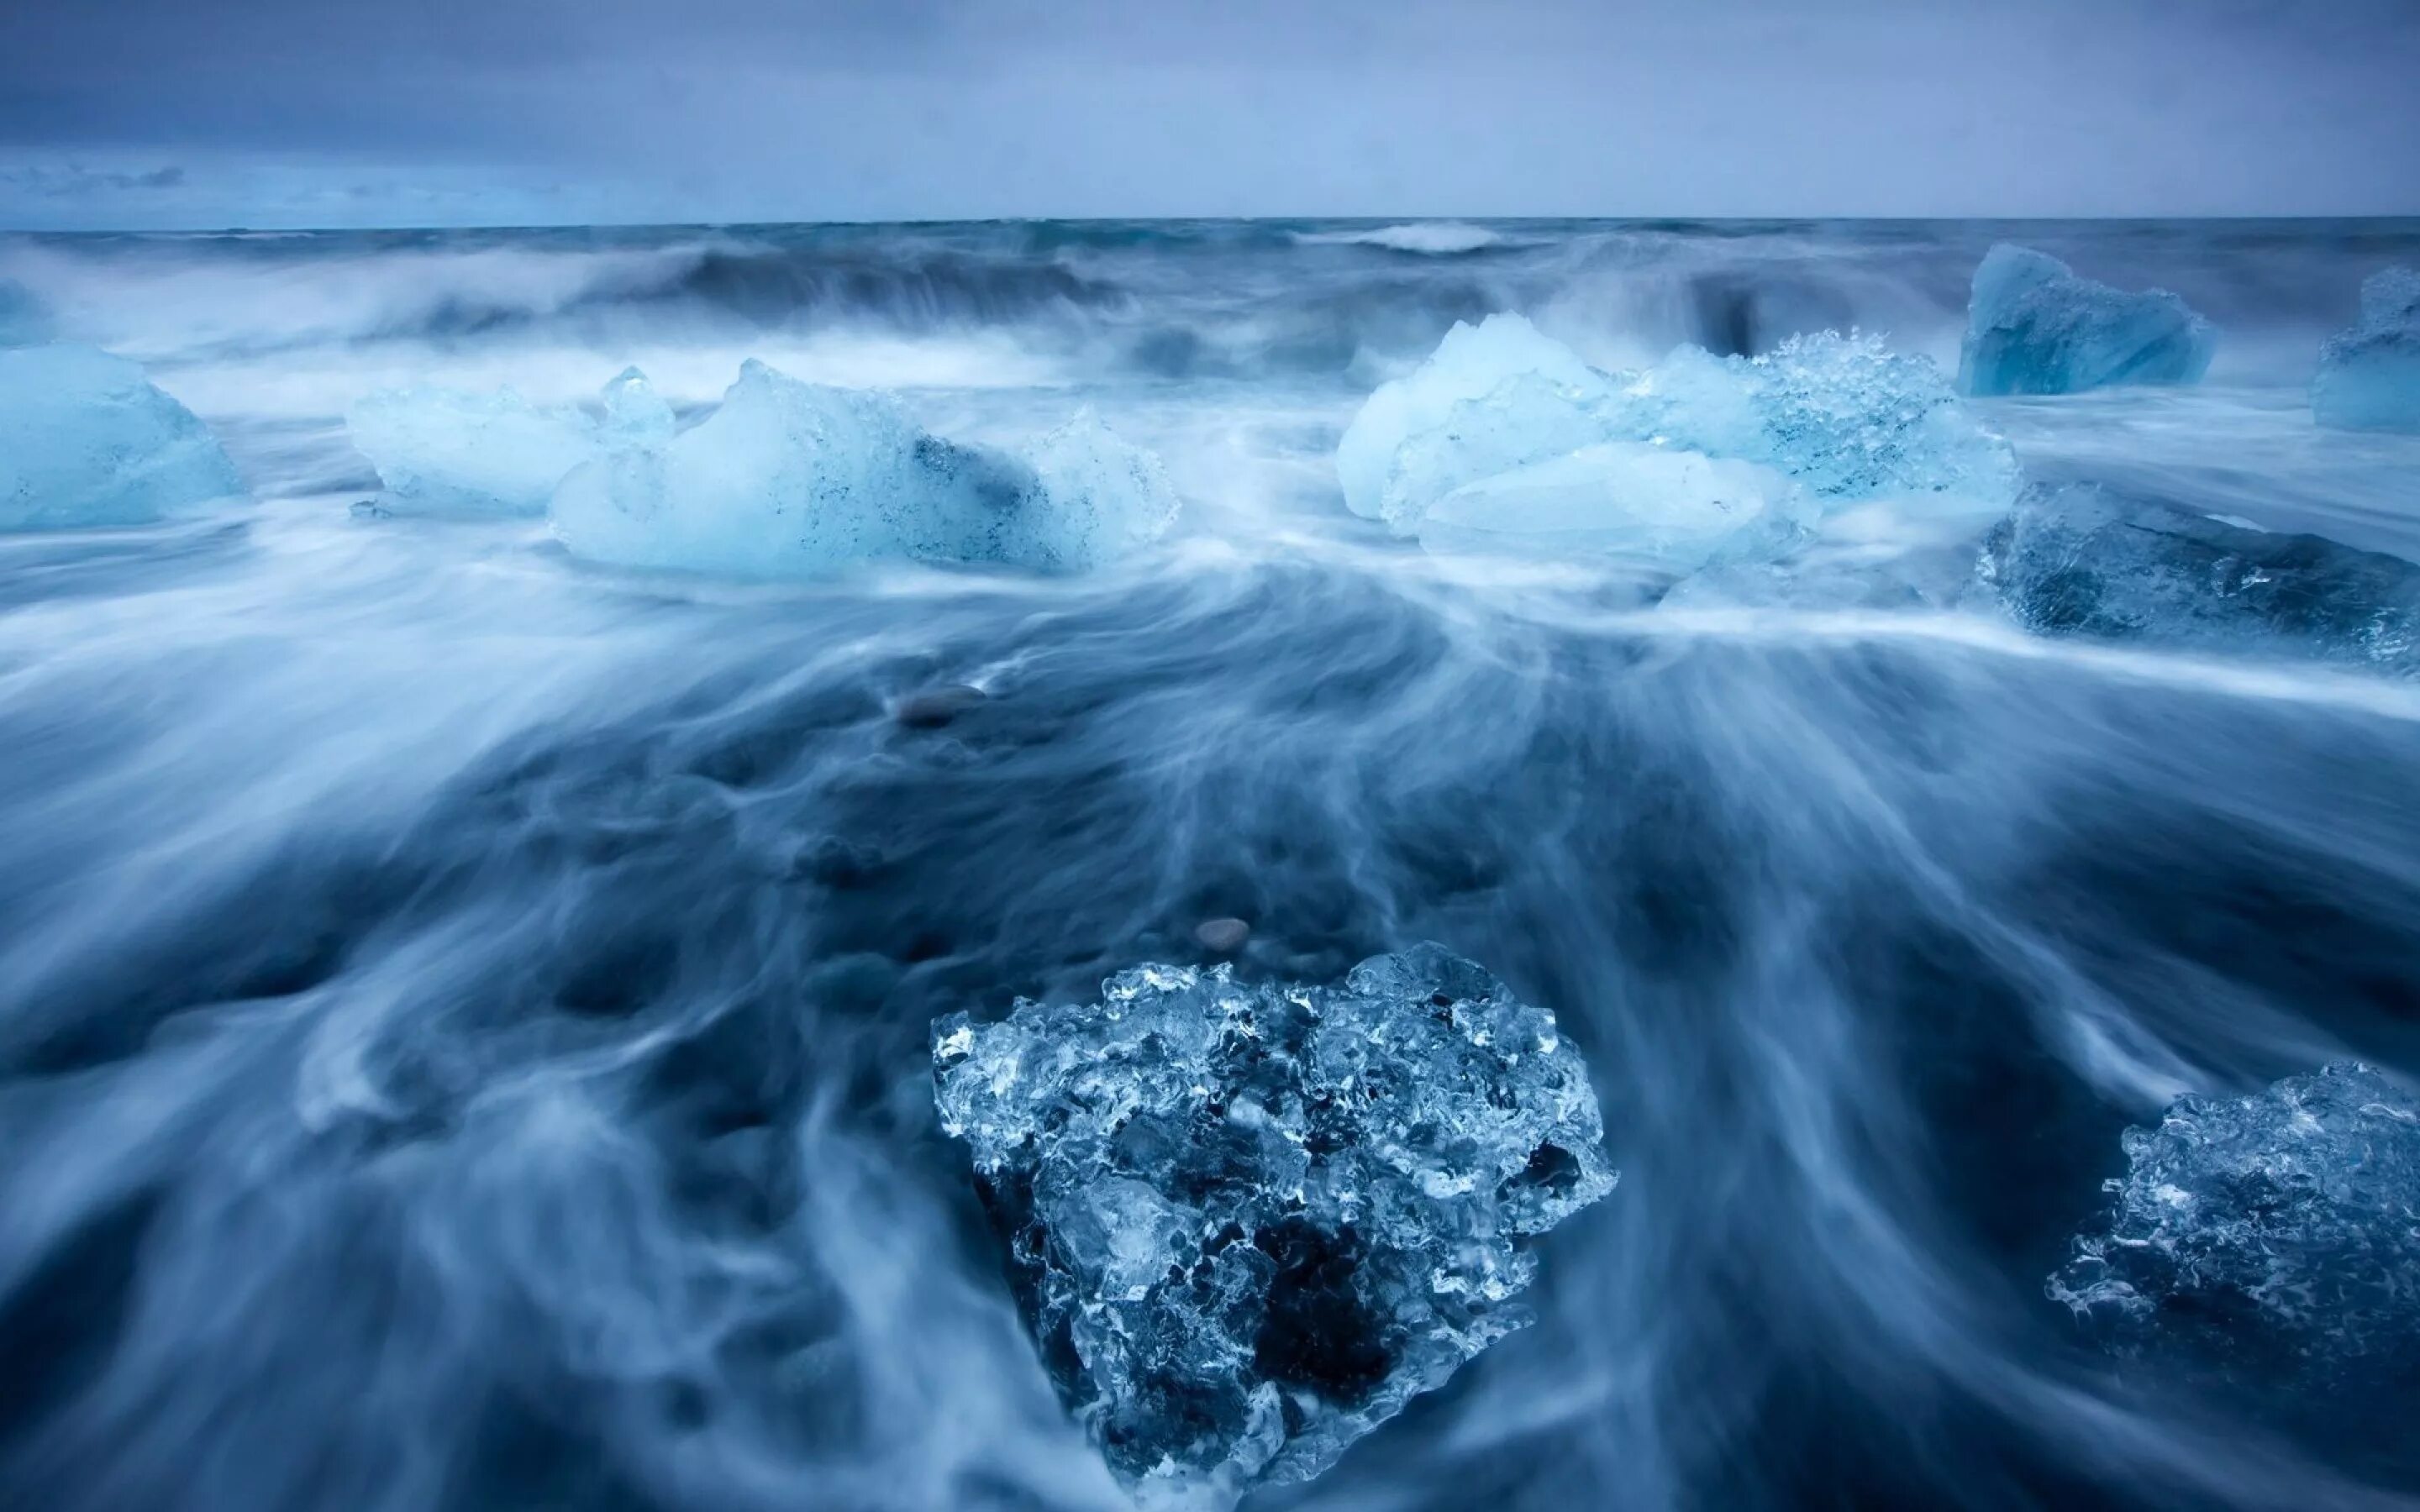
(792, 479)
(1550, 395)
(2269, 1237)
(25, 320)
(2369, 376)
(444, 451)
(2081, 560)
(86, 440)
(1247, 1223)
(2034, 327)
(1651, 506)
(1843, 418)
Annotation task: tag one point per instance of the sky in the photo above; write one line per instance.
(203, 113)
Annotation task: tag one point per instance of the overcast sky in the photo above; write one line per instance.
(213, 113)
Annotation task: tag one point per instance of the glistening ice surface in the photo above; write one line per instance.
(466, 1005)
(1247, 1224)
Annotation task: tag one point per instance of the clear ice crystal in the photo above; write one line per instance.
(2034, 327)
(1247, 1223)
(2081, 560)
(2369, 376)
(2275, 1235)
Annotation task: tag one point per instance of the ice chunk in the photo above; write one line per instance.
(444, 451)
(86, 440)
(2271, 1236)
(2034, 327)
(1844, 416)
(25, 320)
(1651, 506)
(790, 479)
(2369, 376)
(1547, 412)
(2081, 560)
(1247, 1223)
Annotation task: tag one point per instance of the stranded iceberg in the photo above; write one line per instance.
(792, 479)
(2034, 327)
(2081, 560)
(1505, 433)
(86, 440)
(2369, 376)
(1247, 1224)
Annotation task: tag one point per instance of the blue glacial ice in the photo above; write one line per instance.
(2081, 560)
(2369, 376)
(2274, 1237)
(2034, 327)
(86, 440)
(1842, 419)
(24, 319)
(447, 450)
(1247, 1223)
(790, 479)
(1651, 506)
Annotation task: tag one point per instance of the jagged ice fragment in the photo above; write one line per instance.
(85, 440)
(792, 479)
(1247, 1222)
(25, 320)
(2369, 376)
(2034, 327)
(2081, 560)
(2274, 1238)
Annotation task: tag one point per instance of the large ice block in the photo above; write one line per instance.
(24, 319)
(86, 440)
(2369, 376)
(2034, 327)
(1845, 417)
(792, 479)
(1247, 1223)
(2083, 561)
(1653, 507)
(2269, 1237)
(446, 451)
(1534, 399)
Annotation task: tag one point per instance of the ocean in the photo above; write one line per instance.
(465, 1012)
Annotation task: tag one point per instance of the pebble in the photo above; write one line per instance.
(1222, 934)
(934, 707)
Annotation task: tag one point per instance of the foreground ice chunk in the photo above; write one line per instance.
(2081, 560)
(2034, 327)
(2369, 376)
(86, 440)
(2274, 1238)
(1651, 506)
(446, 451)
(791, 479)
(1247, 1224)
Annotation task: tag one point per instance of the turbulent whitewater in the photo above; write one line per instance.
(758, 868)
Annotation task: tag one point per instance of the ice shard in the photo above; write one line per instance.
(2081, 560)
(2274, 1237)
(2034, 327)
(1247, 1223)
(2369, 376)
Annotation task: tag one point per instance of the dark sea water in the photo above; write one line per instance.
(464, 1014)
